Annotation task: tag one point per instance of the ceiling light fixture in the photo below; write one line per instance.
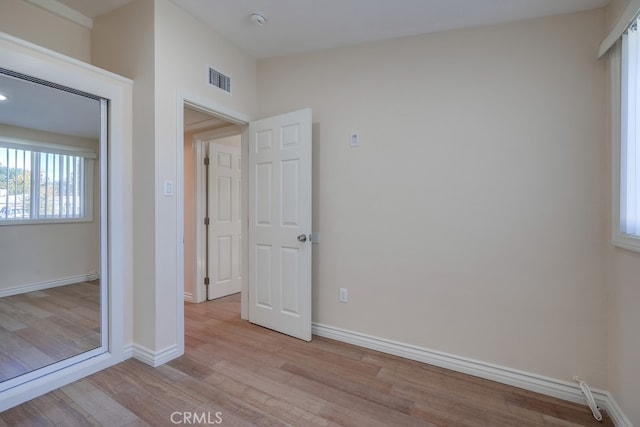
(2, 97)
(258, 19)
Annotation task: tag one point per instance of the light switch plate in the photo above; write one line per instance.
(344, 295)
(168, 188)
(355, 139)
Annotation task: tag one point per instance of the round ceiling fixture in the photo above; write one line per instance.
(258, 19)
(2, 97)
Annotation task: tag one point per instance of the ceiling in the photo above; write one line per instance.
(292, 26)
(36, 106)
(295, 26)
(195, 120)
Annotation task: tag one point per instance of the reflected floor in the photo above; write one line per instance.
(43, 327)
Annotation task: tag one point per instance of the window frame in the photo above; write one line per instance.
(619, 238)
(36, 148)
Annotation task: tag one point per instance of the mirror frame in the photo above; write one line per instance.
(116, 196)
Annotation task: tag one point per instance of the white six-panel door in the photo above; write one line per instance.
(280, 223)
(225, 241)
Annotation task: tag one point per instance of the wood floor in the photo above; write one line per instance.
(42, 327)
(237, 374)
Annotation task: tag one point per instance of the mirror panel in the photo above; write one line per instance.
(52, 305)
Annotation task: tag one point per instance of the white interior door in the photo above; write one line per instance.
(225, 241)
(280, 223)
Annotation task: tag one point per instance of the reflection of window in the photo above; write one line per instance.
(38, 185)
(630, 147)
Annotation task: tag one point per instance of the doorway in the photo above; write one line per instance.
(212, 181)
(275, 181)
(219, 214)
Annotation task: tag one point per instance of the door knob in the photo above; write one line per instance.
(302, 238)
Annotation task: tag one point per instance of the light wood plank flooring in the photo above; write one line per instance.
(245, 375)
(42, 327)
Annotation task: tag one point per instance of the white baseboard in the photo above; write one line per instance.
(614, 411)
(47, 285)
(127, 352)
(537, 383)
(188, 297)
(155, 358)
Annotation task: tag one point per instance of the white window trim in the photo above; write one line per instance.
(628, 15)
(619, 239)
(45, 147)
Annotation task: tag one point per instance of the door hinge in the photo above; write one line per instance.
(206, 221)
(206, 281)
(206, 161)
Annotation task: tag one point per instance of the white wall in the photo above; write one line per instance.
(166, 51)
(472, 218)
(184, 48)
(487, 146)
(123, 42)
(36, 25)
(33, 254)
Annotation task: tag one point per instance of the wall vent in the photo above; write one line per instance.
(219, 80)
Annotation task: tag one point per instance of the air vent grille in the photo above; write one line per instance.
(219, 80)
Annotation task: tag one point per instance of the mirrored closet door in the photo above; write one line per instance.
(53, 283)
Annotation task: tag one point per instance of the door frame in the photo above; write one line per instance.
(186, 98)
(201, 140)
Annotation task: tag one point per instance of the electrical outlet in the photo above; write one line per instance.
(344, 295)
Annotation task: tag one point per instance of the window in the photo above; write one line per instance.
(44, 184)
(628, 156)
